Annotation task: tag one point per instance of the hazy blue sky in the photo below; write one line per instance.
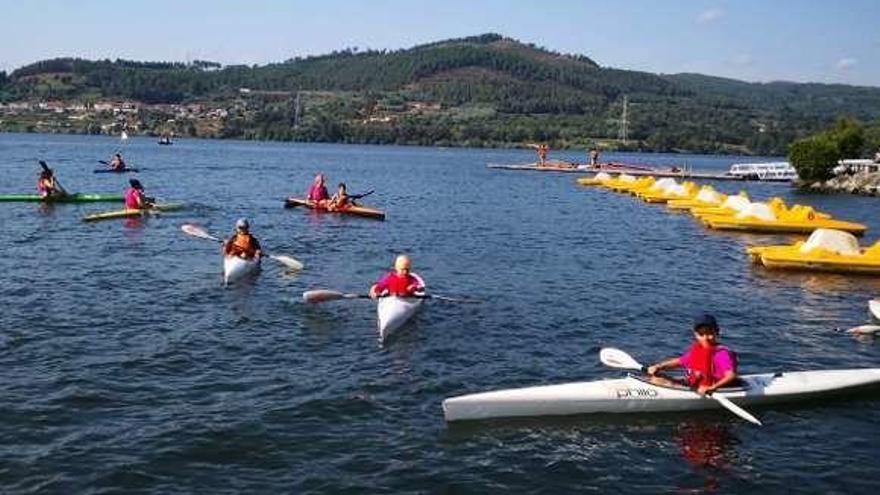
(754, 40)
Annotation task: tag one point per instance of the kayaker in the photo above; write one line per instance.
(340, 199)
(117, 163)
(134, 196)
(243, 244)
(708, 365)
(398, 282)
(594, 157)
(318, 191)
(48, 186)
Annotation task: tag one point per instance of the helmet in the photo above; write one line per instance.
(242, 223)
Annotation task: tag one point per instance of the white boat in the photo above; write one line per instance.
(771, 171)
(634, 394)
(874, 305)
(236, 268)
(395, 311)
(123, 136)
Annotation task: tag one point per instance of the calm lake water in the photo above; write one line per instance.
(128, 367)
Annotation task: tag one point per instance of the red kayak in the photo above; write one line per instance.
(361, 211)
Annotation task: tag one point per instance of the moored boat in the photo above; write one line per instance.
(874, 306)
(635, 394)
(357, 210)
(393, 312)
(236, 268)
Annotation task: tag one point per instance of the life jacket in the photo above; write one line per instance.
(243, 244)
(700, 370)
(397, 285)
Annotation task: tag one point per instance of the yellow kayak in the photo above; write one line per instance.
(706, 197)
(132, 212)
(764, 217)
(826, 250)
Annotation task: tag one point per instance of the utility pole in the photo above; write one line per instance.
(297, 111)
(623, 121)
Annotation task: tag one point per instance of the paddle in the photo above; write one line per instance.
(196, 231)
(58, 185)
(324, 295)
(359, 196)
(616, 358)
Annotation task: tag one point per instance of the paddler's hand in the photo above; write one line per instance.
(705, 389)
(653, 369)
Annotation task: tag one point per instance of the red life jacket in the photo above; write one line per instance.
(397, 285)
(700, 370)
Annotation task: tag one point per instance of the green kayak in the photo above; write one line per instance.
(70, 198)
(133, 212)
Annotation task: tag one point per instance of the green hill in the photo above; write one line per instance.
(481, 90)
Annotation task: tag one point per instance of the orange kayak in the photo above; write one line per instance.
(361, 211)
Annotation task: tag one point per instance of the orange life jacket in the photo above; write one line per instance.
(242, 244)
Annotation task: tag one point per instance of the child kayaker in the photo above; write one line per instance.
(398, 282)
(117, 163)
(339, 200)
(318, 191)
(134, 196)
(243, 244)
(708, 365)
(48, 186)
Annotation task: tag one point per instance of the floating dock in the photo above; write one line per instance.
(620, 168)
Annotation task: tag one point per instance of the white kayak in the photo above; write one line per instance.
(236, 268)
(874, 304)
(634, 394)
(395, 311)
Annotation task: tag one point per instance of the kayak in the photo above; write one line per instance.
(874, 305)
(361, 211)
(132, 212)
(114, 171)
(236, 268)
(70, 198)
(635, 394)
(395, 311)
(825, 250)
(640, 184)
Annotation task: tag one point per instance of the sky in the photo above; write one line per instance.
(751, 40)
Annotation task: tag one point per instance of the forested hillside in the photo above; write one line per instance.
(485, 90)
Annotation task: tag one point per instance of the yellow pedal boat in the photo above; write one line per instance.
(763, 217)
(685, 190)
(826, 250)
(706, 197)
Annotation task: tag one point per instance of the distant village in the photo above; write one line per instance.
(115, 116)
(194, 119)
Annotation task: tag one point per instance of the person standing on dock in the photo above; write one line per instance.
(594, 157)
(542, 150)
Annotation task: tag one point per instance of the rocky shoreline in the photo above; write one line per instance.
(862, 183)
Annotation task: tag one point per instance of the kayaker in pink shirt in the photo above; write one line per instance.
(318, 192)
(134, 196)
(708, 365)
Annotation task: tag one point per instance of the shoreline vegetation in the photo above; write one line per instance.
(480, 91)
(817, 159)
